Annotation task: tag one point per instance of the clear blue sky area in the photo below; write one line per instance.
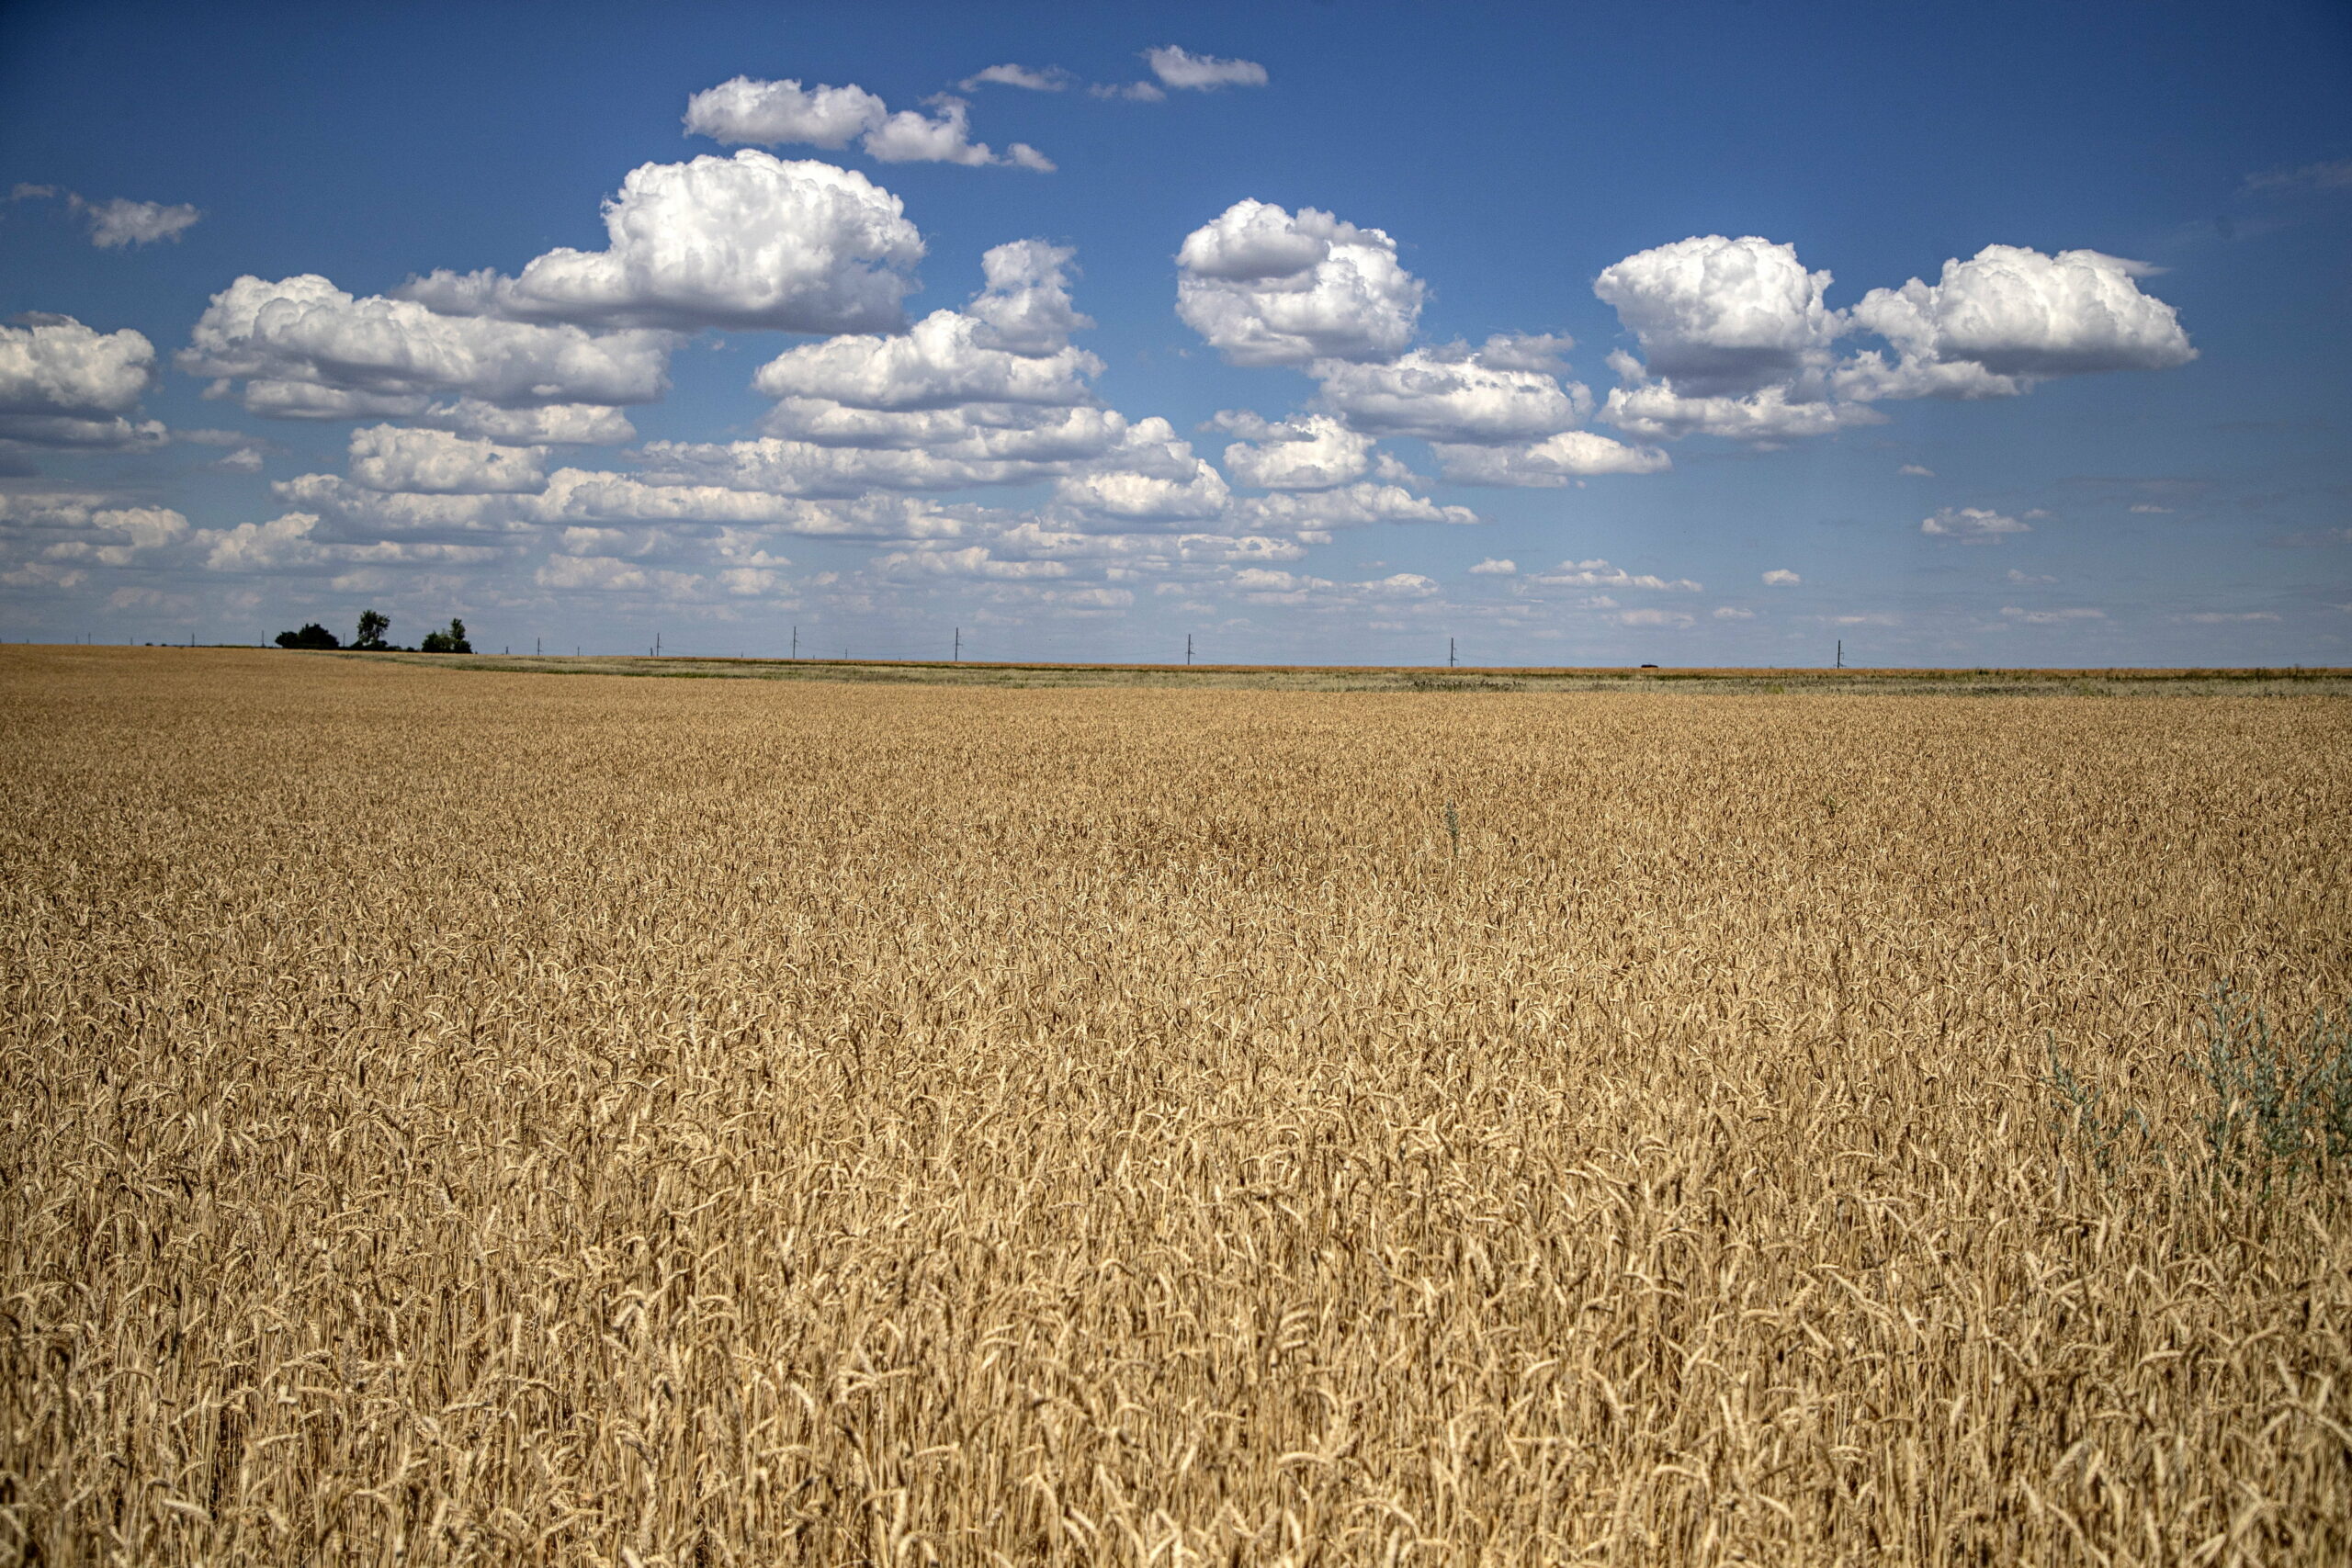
(1707, 333)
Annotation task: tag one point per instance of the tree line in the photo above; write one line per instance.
(369, 638)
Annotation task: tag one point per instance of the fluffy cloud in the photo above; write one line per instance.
(1312, 453)
(1202, 72)
(751, 240)
(771, 114)
(986, 442)
(434, 462)
(1600, 574)
(1128, 495)
(351, 510)
(275, 546)
(576, 495)
(1782, 578)
(1549, 463)
(1491, 567)
(64, 383)
(556, 424)
(973, 561)
(2052, 618)
(1658, 411)
(306, 349)
(119, 222)
(1973, 524)
(1025, 308)
(965, 454)
(910, 137)
(994, 394)
(1052, 79)
(83, 528)
(1720, 316)
(1738, 335)
(2008, 316)
(1453, 395)
(939, 364)
(1298, 511)
(1267, 585)
(288, 544)
(1012, 347)
(1267, 287)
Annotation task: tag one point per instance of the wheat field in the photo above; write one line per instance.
(475, 1118)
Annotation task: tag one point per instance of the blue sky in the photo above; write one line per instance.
(1690, 334)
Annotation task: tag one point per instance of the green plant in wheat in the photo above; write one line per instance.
(2281, 1107)
(2282, 1097)
(2083, 1123)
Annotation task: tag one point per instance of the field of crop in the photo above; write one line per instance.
(449, 1116)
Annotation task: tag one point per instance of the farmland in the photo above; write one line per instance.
(460, 1116)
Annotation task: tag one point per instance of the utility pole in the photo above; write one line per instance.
(657, 645)
(538, 646)
(1449, 661)
(958, 655)
(1841, 653)
(1188, 651)
(796, 642)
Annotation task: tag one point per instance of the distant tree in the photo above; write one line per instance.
(372, 627)
(451, 642)
(312, 634)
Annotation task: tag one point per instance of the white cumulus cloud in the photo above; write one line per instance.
(2008, 316)
(1180, 68)
(1972, 524)
(1313, 452)
(1491, 567)
(64, 384)
(769, 114)
(556, 424)
(1291, 511)
(1266, 287)
(938, 363)
(1548, 463)
(434, 462)
(1600, 574)
(306, 349)
(1026, 308)
(1720, 316)
(1658, 411)
(1050, 79)
(751, 240)
(772, 114)
(1451, 394)
(1780, 577)
(121, 222)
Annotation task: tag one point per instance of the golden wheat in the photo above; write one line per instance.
(458, 1117)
